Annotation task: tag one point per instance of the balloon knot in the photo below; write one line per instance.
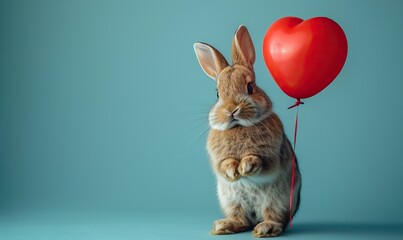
(297, 103)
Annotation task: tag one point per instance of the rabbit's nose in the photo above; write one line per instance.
(235, 113)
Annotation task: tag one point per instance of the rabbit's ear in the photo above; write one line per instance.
(243, 51)
(210, 59)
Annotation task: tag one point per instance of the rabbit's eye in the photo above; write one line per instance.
(250, 88)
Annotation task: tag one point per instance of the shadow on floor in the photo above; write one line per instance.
(370, 229)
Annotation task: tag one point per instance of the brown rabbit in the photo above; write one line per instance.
(249, 151)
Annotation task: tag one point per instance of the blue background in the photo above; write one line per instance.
(103, 114)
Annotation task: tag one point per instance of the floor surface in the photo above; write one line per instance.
(174, 227)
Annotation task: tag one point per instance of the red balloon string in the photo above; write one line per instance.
(297, 103)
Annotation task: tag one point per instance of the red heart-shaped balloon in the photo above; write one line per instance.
(304, 57)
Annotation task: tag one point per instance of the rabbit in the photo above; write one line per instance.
(249, 152)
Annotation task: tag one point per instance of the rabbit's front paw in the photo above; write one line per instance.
(229, 169)
(250, 165)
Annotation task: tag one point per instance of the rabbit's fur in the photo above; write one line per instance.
(249, 152)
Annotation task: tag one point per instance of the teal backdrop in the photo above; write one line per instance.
(103, 108)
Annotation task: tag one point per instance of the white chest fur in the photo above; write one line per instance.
(253, 194)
